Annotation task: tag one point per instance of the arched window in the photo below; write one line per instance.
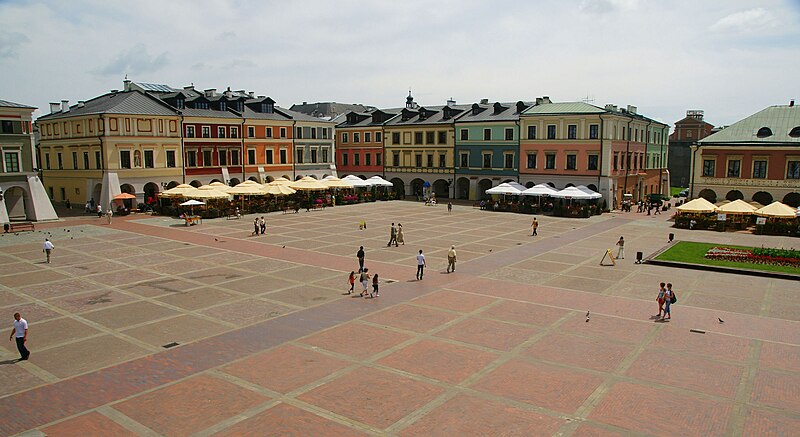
(795, 132)
(764, 132)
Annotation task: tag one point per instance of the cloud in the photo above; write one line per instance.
(135, 60)
(751, 20)
(10, 43)
(226, 36)
(607, 6)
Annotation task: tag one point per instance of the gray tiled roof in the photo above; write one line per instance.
(564, 108)
(779, 119)
(210, 113)
(125, 102)
(436, 116)
(7, 104)
(367, 120)
(487, 115)
(249, 113)
(299, 116)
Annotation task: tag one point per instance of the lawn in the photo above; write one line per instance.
(674, 191)
(688, 252)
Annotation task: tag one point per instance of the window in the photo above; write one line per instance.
(86, 160)
(314, 133)
(417, 137)
(378, 137)
(764, 132)
(298, 133)
(345, 137)
(63, 193)
(124, 159)
(367, 159)
(251, 132)
(550, 161)
(442, 161)
(793, 170)
(283, 132)
(396, 159)
(759, 169)
(464, 134)
(222, 157)
(429, 136)
(795, 132)
(149, 162)
(508, 160)
(207, 161)
(487, 135)
(47, 161)
(616, 161)
(509, 134)
(189, 131)
(464, 157)
(418, 160)
(551, 131)
(325, 133)
(531, 132)
(170, 158)
(572, 131)
(356, 159)
(709, 167)
(299, 156)
(268, 156)
(378, 159)
(395, 137)
(734, 168)
(220, 131)
(442, 137)
(356, 137)
(367, 137)
(11, 161)
(594, 131)
(325, 154)
(223, 106)
(206, 131)
(234, 132)
(487, 160)
(268, 133)
(98, 163)
(344, 158)
(531, 160)
(572, 162)
(283, 156)
(8, 127)
(593, 162)
(430, 159)
(313, 156)
(74, 160)
(267, 107)
(191, 158)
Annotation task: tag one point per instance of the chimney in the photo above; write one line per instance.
(632, 109)
(252, 94)
(54, 107)
(484, 101)
(189, 88)
(211, 92)
(81, 103)
(228, 93)
(262, 97)
(791, 103)
(451, 102)
(126, 84)
(305, 103)
(546, 99)
(64, 106)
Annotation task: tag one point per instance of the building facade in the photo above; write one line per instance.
(22, 195)
(314, 147)
(359, 142)
(755, 159)
(688, 131)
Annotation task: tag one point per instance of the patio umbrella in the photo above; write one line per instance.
(278, 190)
(308, 184)
(380, 182)
(334, 182)
(220, 186)
(574, 193)
(192, 203)
(738, 206)
(280, 181)
(505, 189)
(777, 210)
(124, 196)
(539, 190)
(357, 181)
(587, 190)
(517, 185)
(699, 205)
(178, 191)
(207, 192)
(245, 189)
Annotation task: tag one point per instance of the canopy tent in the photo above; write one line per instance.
(777, 210)
(278, 190)
(380, 182)
(178, 191)
(573, 193)
(334, 182)
(207, 192)
(699, 205)
(738, 206)
(587, 190)
(505, 189)
(308, 184)
(357, 181)
(540, 190)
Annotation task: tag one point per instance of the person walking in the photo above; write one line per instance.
(534, 227)
(47, 248)
(621, 250)
(451, 259)
(375, 283)
(669, 296)
(449, 207)
(263, 225)
(99, 211)
(364, 282)
(256, 226)
(109, 214)
(392, 236)
(420, 265)
(660, 298)
(360, 256)
(20, 331)
(400, 238)
(352, 281)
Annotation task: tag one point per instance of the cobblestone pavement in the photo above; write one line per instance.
(269, 343)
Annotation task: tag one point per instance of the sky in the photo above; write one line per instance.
(730, 58)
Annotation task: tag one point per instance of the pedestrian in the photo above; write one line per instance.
(91, 203)
(449, 206)
(451, 259)
(352, 281)
(621, 250)
(20, 331)
(660, 299)
(420, 265)
(534, 227)
(256, 227)
(99, 211)
(67, 204)
(47, 247)
(263, 224)
(364, 282)
(360, 256)
(87, 207)
(400, 238)
(375, 283)
(392, 236)
(669, 298)
(109, 214)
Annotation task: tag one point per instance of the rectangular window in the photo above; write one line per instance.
(367, 159)
(299, 156)
(345, 137)
(313, 156)
(417, 137)
(356, 137)
(429, 136)
(395, 137)
(170, 159)
(709, 168)
(531, 132)
(207, 159)
(616, 161)
(149, 162)
(298, 133)
(550, 161)
(593, 162)
(98, 162)
(189, 131)
(234, 132)
(314, 133)
(418, 160)
(572, 131)
(509, 134)
(220, 131)
(378, 137)
(222, 156)
(759, 169)
(86, 160)
(464, 157)
(594, 131)
(442, 161)
(8, 127)
(47, 161)
(734, 168)
(283, 156)
(268, 156)
(430, 159)
(508, 160)
(378, 159)
(234, 157)
(396, 159)
(11, 161)
(268, 132)
(356, 159)
(531, 160)
(487, 160)
(74, 160)
(793, 170)
(344, 159)
(551, 131)
(464, 134)
(191, 158)
(572, 162)
(283, 132)
(487, 135)
(367, 137)
(124, 159)
(251, 132)
(206, 131)
(325, 154)
(442, 137)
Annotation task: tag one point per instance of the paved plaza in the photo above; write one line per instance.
(269, 343)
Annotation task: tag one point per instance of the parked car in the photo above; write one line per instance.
(684, 192)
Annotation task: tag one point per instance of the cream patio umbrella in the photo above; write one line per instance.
(245, 189)
(738, 206)
(207, 192)
(308, 184)
(220, 186)
(699, 205)
(777, 210)
(280, 181)
(278, 190)
(334, 182)
(178, 191)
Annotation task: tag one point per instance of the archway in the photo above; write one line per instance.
(252, 178)
(127, 188)
(215, 180)
(483, 185)
(399, 187)
(508, 180)
(530, 184)
(298, 177)
(286, 176)
(195, 183)
(234, 182)
(792, 199)
(416, 187)
(270, 179)
(441, 189)
(734, 195)
(462, 188)
(709, 195)
(569, 185)
(96, 192)
(324, 175)
(552, 185)
(16, 201)
(172, 184)
(150, 193)
(762, 197)
(592, 187)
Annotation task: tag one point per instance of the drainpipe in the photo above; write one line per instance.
(103, 163)
(294, 152)
(646, 142)
(183, 151)
(694, 148)
(626, 159)
(241, 152)
(600, 159)
(519, 156)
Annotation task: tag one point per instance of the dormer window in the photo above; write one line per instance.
(240, 106)
(423, 114)
(267, 108)
(795, 132)
(223, 106)
(179, 103)
(764, 132)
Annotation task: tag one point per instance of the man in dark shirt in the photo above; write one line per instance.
(360, 256)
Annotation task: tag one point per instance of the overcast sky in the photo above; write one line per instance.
(728, 57)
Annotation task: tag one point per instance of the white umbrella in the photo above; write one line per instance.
(278, 190)
(777, 210)
(380, 182)
(191, 203)
(517, 185)
(572, 193)
(357, 181)
(178, 191)
(699, 205)
(504, 188)
(244, 189)
(334, 182)
(540, 190)
(587, 190)
(308, 184)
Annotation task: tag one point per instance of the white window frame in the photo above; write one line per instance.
(17, 152)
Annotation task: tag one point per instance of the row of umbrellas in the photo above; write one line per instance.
(278, 187)
(775, 209)
(517, 189)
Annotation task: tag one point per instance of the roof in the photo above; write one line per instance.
(124, 102)
(299, 116)
(564, 108)
(7, 104)
(509, 113)
(249, 113)
(157, 87)
(780, 120)
(366, 118)
(435, 115)
(328, 109)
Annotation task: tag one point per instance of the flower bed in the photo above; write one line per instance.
(778, 257)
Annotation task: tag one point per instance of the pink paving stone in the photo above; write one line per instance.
(14, 377)
(608, 327)
(712, 345)
(488, 333)
(454, 300)
(412, 318)
(357, 340)
(687, 371)
(439, 360)
(88, 425)
(546, 386)
(190, 405)
(277, 369)
(777, 390)
(532, 314)
(288, 420)
(372, 396)
(764, 423)
(780, 356)
(470, 416)
(586, 430)
(589, 353)
(642, 409)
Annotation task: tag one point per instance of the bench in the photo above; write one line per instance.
(18, 227)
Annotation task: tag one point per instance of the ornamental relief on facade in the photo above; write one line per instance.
(731, 182)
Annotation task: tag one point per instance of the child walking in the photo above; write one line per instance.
(352, 281)
(374, 286)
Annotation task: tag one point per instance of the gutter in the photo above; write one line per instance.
(183, 151)
(242, 134)
(600, 163)
(626, 159)
(294, 146)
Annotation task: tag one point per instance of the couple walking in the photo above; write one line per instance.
(666, 297)
(396, 235)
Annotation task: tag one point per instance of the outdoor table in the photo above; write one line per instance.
(191, 220)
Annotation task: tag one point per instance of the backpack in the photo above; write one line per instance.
(673, 298)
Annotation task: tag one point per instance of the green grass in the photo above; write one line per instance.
(674, 191)
(688, 252)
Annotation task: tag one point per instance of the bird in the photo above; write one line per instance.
(216, 239)
(284, 247)
(720, 320)
(587, 316)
